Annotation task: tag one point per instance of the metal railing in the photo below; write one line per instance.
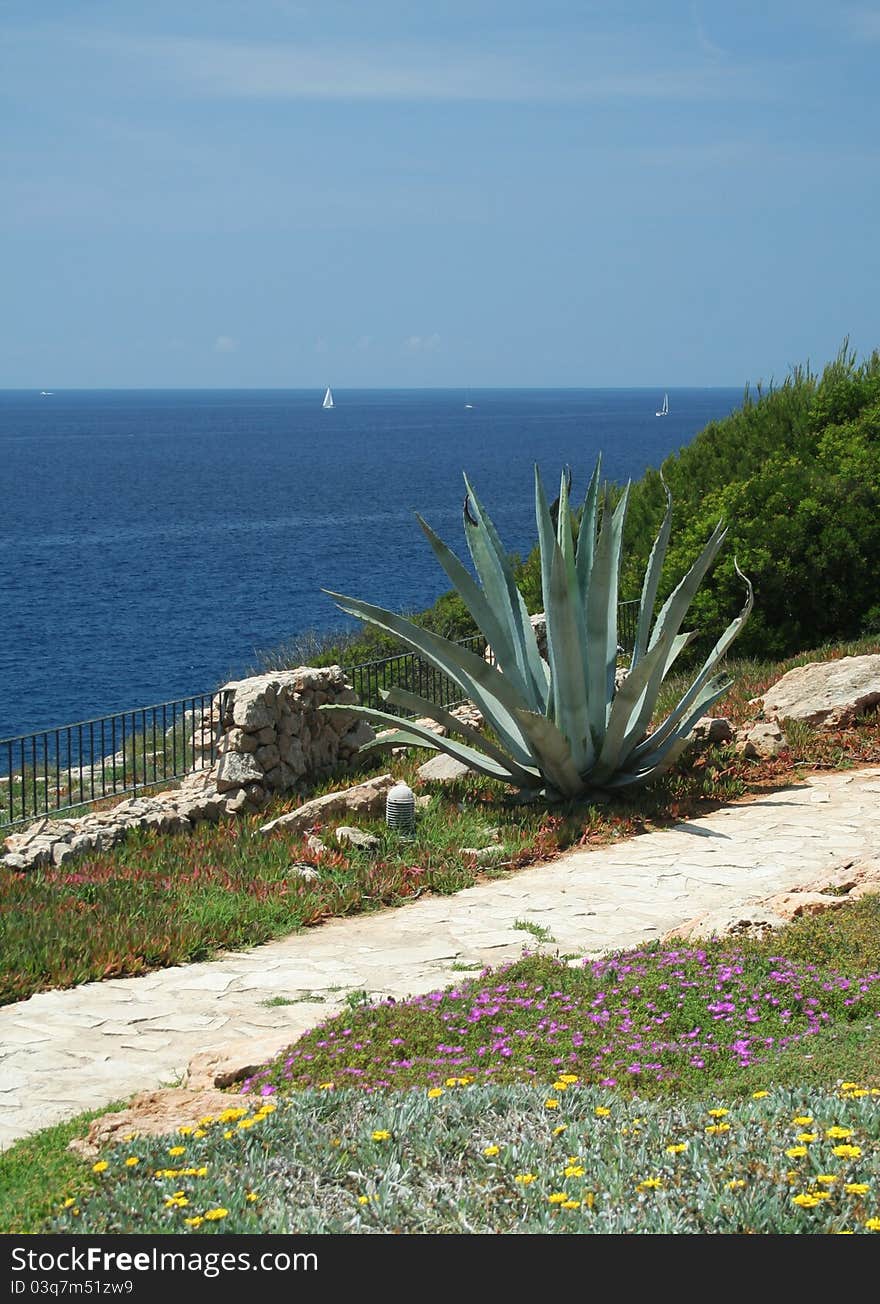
(77, 765)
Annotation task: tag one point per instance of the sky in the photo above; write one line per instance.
(459, 193)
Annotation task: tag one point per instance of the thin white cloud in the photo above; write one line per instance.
(225, 344)
(705, 42)
(597, 70)
(422, 343)
(364, 343)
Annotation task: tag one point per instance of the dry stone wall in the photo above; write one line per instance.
(270, 737)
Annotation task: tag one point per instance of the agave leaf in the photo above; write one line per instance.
(494, 569)
(546, 543)
(733, 629)
(641, 716)
(626, 700)
(652, 580)
(675, 607)
(398, 696)
(650, 753)
(552, 752)
(586, 544)
(602, 618)
(496, 697)
(564, 535)
(565, 624)
(497, 632)
(408, 733)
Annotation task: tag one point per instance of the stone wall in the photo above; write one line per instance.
(270, 738)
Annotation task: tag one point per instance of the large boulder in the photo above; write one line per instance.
(829, 694)
(442, 769)
(366, 799)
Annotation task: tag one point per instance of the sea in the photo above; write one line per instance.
(154, 542)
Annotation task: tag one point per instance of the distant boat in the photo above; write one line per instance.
(328, 399)
(469, 405)
(46, 393)
(664, 411)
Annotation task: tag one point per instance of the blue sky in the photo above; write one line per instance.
(273, 193)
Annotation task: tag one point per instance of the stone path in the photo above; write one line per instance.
(62, 1052)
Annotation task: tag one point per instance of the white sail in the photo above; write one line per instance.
(328, 399)
(664, 410)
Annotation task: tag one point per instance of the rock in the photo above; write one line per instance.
(764, 739)
(61, 851)
(236, 769)
(431, 725)
(711, 730)
(301, 869)
(739, 921)
(233, 1062)
(423, 799)
(315, 845)
(829, 694)
(363, 798)
(238, 804)
(483, 855)
(853, 880)
(357, 838)
(792, 905)
(468, 714)
(442, 769)
(152, 1113)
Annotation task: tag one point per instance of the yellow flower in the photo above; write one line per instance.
(677, 1148)
(228, 1135)
(184, 1131)
(568, 1078)
(759, 1095)
(206, 1121)
(857, 1093)
(838, 1133)
(574, 1170)
(68, 1203)
(176, 1202)
(200, 1132)
(560, 1086)
(101, 1166)
(842, 1231)
(796, 1152)
(194, 1222)
(244, 1123)
(802, 1120)
(807, 1136)
(435, 1092)
(558, 1131)
(718, 1113)
(325, 1086)
(199, 1172)
(571, 1204)
(714, 1128)
(735, 1184)
(857, 1188)
(849, 1086)
(491, 1150)
(649, 1184)
(558, 1197)
(847, 1152)
(363, 1199)
(177, 1150)
(214, 1215)
(230, 1115)
(381, 1135)
(821, 1195)
(551, 1103)
(251, 1197)
(452, 1082)
(525, 1179)
(806, 1200)
(589, 1199)
(268, 1108)
(827, 1179)
(873, 1224)
(601, 1111)
(132, 1161)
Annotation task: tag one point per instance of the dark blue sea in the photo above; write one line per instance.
(153, 542)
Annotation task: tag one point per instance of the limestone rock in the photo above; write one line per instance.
(754, 920)
(484, 855)
(854, 880)
(764, 739)
(302, 869)
(233, 1062)
(442, 769)
(315, 845)
(347, 836)
(792, 905)
(711, 730)
(152, 1113)
(825, 693)
(366, 798)
(236, 769)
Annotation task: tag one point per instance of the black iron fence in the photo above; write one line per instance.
(60, 770)
(77, 765)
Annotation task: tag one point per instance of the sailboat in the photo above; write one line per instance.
(328, 399)
(664, 410)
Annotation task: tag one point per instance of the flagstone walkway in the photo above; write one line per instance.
(62, 1052)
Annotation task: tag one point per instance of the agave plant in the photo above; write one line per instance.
(560, 724)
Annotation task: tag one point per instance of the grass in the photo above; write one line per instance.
(721, 1089)
(163, 899)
